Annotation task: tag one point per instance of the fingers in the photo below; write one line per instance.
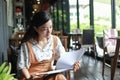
(76, 66)
(37, 75)
(53, 51)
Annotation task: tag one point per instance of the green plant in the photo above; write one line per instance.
(5, 72)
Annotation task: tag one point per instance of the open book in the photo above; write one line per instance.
(66, 61)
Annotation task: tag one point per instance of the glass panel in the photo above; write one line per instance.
(83, 14)
(73, 16)
(102, 16)
(117, 14)
(61, 16)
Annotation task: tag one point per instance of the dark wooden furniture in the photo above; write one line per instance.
(113, 57)
(55, 32)
(88, 41)
(74, 40)
(64, 40)
(17, 39)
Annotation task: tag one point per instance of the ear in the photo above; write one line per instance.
(35, 29)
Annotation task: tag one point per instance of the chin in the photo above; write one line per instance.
(48, 36)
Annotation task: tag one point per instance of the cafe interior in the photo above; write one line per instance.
(75, 23)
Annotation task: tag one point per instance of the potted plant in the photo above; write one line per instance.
(5, 72)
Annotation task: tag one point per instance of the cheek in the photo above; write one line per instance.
(39, 32)
(43, 32)
(37, 29)
(50, 30)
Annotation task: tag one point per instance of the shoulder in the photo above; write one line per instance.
(30, 42)
(54, 36)
(23, 44)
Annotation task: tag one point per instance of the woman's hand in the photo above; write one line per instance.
(31, 78)
(76, 66)
(26, 73)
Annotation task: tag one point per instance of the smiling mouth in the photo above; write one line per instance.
(48, 35)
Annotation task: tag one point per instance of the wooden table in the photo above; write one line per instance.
(74, 38)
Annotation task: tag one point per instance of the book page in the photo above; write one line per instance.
(52, 72)
(66, 61)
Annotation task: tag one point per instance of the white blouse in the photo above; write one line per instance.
(40, 54)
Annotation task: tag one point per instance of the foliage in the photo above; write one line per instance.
(98, 27)
(100, 23)
(58, 20)
(5, 72)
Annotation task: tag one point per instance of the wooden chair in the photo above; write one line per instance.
(110, 49)
(20, 34)
(64, 40)
(99, 46)
(76, 40)
(113, 58)
(88, 41)
(17, 39)
(58, 33)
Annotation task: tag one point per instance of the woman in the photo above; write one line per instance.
(38, 49)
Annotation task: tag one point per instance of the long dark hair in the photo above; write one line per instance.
(38, 19)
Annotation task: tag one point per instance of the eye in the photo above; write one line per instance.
(44, 28)
(50, 27)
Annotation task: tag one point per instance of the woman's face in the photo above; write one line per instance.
(45, 30)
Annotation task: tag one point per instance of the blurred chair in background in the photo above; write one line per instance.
(64, 40)
(88, 41)
(109, 49)
(114, 60)
(99, 46)
(55, 32)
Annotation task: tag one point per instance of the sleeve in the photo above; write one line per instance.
(60, 48)
(23, 57)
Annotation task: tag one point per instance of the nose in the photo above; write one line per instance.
(49, 30)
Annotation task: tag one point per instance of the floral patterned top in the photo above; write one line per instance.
(40, 53)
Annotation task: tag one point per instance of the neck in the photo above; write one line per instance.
(42, 42)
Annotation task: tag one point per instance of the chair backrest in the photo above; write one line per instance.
(117, 54)
(109, 33)
(20, 34)
(17, 40)
(88, 36)
(58, 33)
(100, 41)
(117, 51)
(64, 40)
